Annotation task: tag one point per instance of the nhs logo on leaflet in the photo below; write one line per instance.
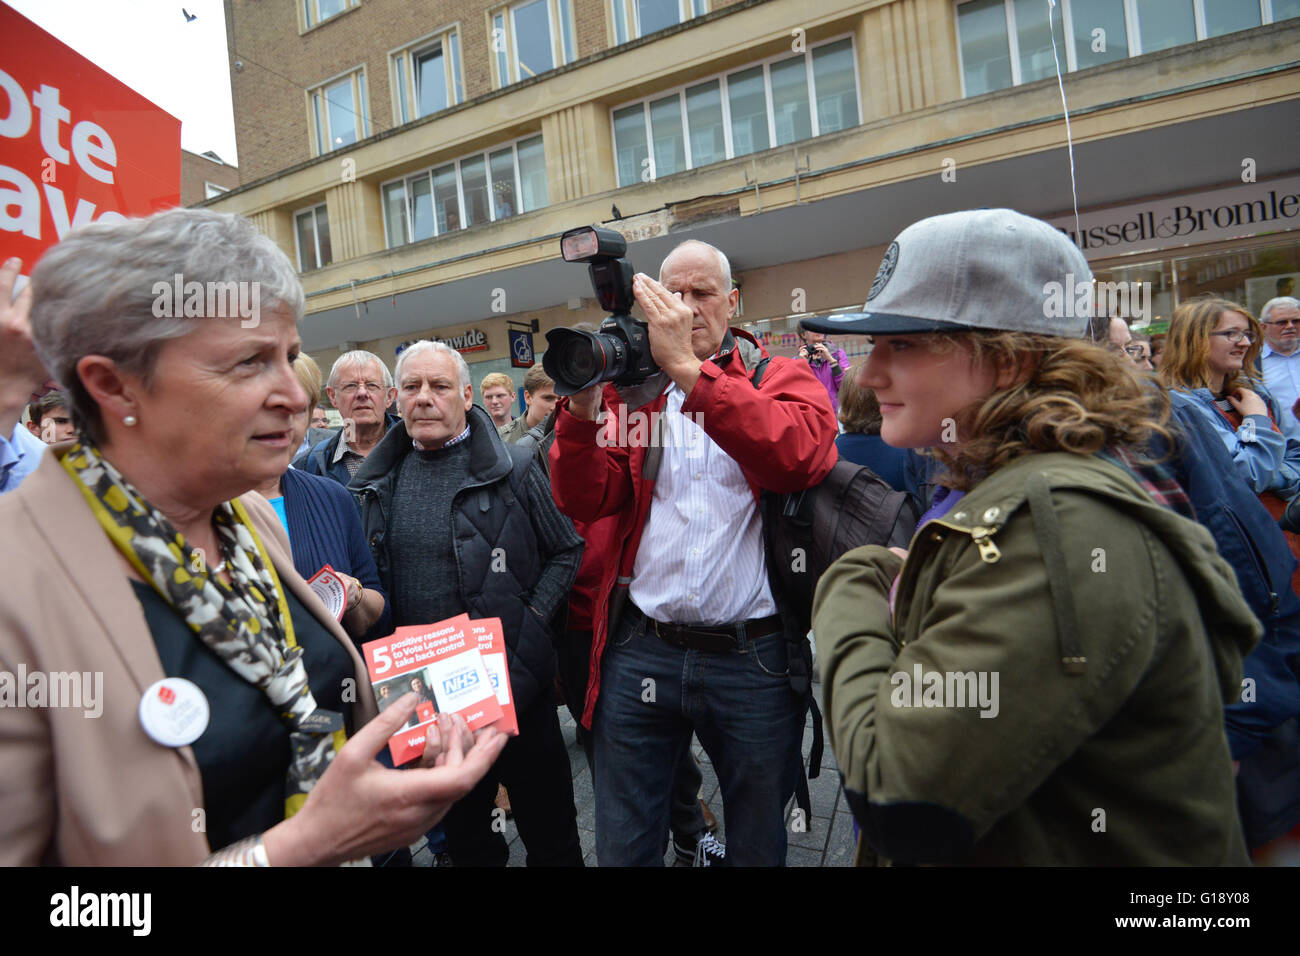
(460, 681)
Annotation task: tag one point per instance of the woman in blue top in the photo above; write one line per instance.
(1211, 367)
(325, 528)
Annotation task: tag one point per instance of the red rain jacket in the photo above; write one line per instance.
(781, 434)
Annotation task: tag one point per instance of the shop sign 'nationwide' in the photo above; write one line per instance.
(1250, 209)
(471, 341)
(76, 145)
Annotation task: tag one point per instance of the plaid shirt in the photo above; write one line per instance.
(1156, 479)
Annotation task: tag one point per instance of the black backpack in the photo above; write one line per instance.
(808, 530)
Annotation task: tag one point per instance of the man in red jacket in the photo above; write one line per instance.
(690, 638)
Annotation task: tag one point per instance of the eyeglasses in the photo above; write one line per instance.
(350, 388)
(1236, 335)
(1135, 351)
(1295, 321)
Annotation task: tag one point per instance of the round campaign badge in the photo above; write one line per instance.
(174, 712)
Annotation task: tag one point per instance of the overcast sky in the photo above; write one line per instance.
(148, 45)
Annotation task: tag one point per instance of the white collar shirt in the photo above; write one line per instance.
(701, 557)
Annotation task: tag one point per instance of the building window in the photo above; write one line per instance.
(532, 37)
(482, 187)
(212, 189)
(778, 101)
(339, 112)
(638, 18)
(312, 235)
(1285, 9)
(318, 11)
(427, 77)
(1003, 43)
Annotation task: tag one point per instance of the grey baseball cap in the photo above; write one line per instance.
(991, 269)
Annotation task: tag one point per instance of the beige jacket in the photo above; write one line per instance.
(97, 791)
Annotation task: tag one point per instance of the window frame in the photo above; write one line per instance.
(306, 8)
(1132, 27)
(315, 233)
(721, 78)
(559, 15)
(322, 138)
(401, 72)
(458, 161)
(686, 10)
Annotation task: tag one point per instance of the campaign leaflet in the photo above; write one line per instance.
(492, 645)
(331, 589)
(441, 663)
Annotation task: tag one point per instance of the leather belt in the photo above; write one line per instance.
(724, 637)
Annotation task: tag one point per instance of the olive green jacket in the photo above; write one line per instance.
(1107, 632)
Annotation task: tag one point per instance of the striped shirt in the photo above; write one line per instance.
(1282, 376)
(701, 557)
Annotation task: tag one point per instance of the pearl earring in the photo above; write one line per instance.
(130, 420)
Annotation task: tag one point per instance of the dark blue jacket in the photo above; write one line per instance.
(1263, 732)
(870, 450)
(325, 528)
(319, 458)
(919, 472)
(1250, 540)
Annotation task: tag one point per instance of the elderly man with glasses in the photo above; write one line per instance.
(361, 388)
(1281, 357)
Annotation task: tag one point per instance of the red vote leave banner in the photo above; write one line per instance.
(76, 145)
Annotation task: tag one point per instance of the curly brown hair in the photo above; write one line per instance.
(1068, 395)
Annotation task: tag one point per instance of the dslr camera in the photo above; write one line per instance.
(808, 353)
(619, 351)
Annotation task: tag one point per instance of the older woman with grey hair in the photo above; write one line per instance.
(154, 592)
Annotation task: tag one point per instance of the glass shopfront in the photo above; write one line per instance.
(1248, 272)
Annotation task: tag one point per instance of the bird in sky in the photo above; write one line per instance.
(189, 17)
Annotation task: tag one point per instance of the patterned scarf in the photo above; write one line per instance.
(246, 622)
(1156, 478)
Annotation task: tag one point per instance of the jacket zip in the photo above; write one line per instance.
(982, 536)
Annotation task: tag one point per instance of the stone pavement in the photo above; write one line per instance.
(827, 840)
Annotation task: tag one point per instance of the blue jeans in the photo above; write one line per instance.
(740, 705)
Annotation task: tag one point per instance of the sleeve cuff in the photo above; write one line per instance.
(709, 375)
(1258, 423)
(571, 424)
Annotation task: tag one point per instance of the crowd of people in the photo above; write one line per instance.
(1088, 654)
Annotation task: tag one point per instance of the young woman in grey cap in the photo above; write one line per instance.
(1040, 678)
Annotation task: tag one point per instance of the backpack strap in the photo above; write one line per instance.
(789, 506)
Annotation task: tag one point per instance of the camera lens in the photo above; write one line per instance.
(579, 364)
(575, 359)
